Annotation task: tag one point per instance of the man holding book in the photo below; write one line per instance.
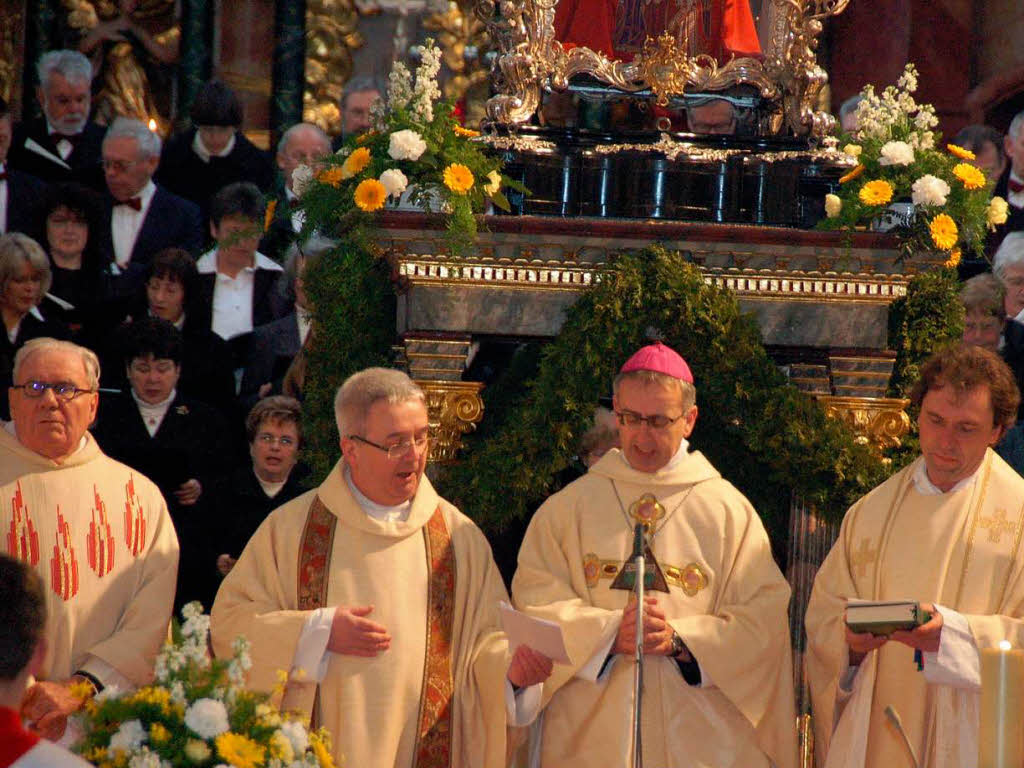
(942, 535)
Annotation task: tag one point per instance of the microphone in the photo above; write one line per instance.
(638, 542)
(894, 718)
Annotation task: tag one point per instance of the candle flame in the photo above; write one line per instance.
(152, 125)
(1004, 645)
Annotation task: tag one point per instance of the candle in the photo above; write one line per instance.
(1001, 738)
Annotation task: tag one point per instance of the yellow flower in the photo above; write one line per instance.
(82, 690)
(971, 177)
(268, 218)
(467, 132)
(493, 183)
(364, 137)
(197, 751)
(954, 259)
(963, 154)
(154, 695)
(370, 195)
(878, 192)
(356, 162)
(833, 205)
(281, 747)
(320, 743)
(333, 176)
(996, 212)
(458, 178)
(857, 171)
(240, 751)
(95, 755)
(944, 232)
(853, 150)
(158, 734)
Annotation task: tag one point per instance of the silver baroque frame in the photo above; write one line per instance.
(531, 60)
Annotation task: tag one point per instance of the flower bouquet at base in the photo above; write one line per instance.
(896, 159)
(416, 153)
(196, 713)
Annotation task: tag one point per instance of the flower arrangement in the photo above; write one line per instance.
(896, 157)
(416, 152)
(196, 713)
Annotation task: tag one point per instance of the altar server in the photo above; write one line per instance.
(718, 685)
(945, 531)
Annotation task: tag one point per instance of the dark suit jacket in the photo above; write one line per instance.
(279, 234)
(1014, 221)
(1013, 354)
(26, 196)
(271, 350)
(31, 328)
(83, 165)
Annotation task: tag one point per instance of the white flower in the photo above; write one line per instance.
(403, 145)
(394, 182)
(191, 610)
(196, 626)
(426, 91)
(896, 153)
(399, 86)
(178, 693)
(302, 177)
(147, 759)
(493, 184)
(929, 190)
(207, 718)
(997, 212)
(282, 746)
(833, 205)
(297, 735)
(129, 737)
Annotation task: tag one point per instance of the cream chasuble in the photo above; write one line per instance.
(372, 706)
(727, 600)
(960, 550)
(99, 535)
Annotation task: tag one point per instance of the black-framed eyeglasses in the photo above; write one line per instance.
(398, 450)
(657, 421)
(62, 390)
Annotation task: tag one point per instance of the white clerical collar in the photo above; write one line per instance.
(205, 154)
(924, 485)
(10, 429)
(269, 488)
(677, 458)
(385, 514)
(153, 413)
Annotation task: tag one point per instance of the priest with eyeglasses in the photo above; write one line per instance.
(717, 678)
(381, 600)
(96, 531)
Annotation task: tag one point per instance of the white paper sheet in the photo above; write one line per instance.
(540, 634)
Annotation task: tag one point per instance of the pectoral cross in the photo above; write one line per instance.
(863, 557)
(997, 525)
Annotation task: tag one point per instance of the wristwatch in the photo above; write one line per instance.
(678, 646)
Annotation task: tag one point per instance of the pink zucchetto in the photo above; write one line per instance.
(660, 359)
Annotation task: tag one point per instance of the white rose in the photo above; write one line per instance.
(302, 177)
(896, 153)
(406, 145)
(833, 205)
(929, 190)
(207, 718)
(129, 736)
(493, 184)
(394, 182)
(997, 212)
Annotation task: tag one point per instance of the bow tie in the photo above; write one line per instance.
(1016, 186)
(70, 138)
(132, 202)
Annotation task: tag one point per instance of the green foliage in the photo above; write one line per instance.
(764, 435)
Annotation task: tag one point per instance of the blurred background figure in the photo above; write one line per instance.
(357, 100)
(21, 194)
(600, 438)
(987, 145)
(985, 315)
(848, 115)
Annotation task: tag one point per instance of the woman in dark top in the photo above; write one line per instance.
(79, 264)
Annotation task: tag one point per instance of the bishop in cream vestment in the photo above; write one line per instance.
(959, 549)
(726, 599)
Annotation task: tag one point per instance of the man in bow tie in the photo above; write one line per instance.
(63, 144)
(21, 195)
(718, 685)
(1010, 186)
(144, 217)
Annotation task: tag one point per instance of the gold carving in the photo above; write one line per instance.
(10, 24)
(454, 408)
(332, 33)
(879, 422)
(463, 38)
(531, 59)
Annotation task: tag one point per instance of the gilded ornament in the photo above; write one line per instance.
(646, 510)
(592, 569)
(693, 579)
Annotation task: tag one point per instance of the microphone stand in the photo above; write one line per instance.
(638, 666)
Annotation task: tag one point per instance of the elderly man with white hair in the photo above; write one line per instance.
(1008, 266)
(382, 599)
(97, 533)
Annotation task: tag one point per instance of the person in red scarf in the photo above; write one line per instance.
(22, 651)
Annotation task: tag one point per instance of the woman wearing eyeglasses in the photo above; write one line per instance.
(24, 279)
(244, 498)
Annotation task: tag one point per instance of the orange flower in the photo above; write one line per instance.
(943, 231)
(332, 176)
(356, 162)
(971, 176)
(370, 195)
(458, 178)
(857, 171)
(268, 218)
(954, 259)
(469, 133)
(963, 154)
(878, 192)
(364, 137)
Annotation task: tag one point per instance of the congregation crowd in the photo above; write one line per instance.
(155, 324)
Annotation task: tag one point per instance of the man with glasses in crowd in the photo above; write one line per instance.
(386, 597)
(96, 532)
(718, 685)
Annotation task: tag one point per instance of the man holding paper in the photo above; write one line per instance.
(944, 533)
(382, 599)
(718, 685)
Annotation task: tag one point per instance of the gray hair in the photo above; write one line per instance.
(288, 135)
(72, 65)
(1015, 125)
(361, 84)
(130, 128)
(687, 392)
(90, 362)
(1009, 254)
(983, 293)
(361, 390)
(17, 249)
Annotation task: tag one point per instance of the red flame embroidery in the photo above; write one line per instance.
(22, 537)
(100, 541)
(134, 520)
(64, 564)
